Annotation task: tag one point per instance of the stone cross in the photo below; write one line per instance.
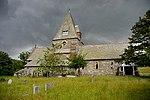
(10, 81)
(36, 89)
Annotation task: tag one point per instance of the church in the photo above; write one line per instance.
(101, 59)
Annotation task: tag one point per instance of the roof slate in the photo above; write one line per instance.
(103, 51)
(67, 25)
(93, 52)
(36, 54)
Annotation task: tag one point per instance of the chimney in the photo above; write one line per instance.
(79, 34)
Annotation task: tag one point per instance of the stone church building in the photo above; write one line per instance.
(101, 58)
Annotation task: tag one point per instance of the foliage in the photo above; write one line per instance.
(5, 64)
(17, 65)
(138, 50)
(77, 61)
(9, 66)
(79, 88)
(24, 56)
(51, 61)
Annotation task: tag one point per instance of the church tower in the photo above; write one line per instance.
(68, 37)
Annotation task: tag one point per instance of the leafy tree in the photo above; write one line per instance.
(17, 65)
(77, 61)
(24, 56)
(138, 50)
(5, 64)
(50, 62)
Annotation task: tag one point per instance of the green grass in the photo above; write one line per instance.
(80, 88)
(144, 71)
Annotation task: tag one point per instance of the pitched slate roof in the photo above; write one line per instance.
(103, 51)
(93, 52)
(69, 26)
(38, 53)
(35, 55)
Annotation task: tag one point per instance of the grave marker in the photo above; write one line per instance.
(36, 89)
(10, 81)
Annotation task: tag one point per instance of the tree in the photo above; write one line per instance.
(17, 65)
(24, 56)
(50, 62)
(138, 50)
(5, 64)
(77, 61)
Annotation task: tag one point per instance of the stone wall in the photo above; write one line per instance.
(101, 67)
(67, 43)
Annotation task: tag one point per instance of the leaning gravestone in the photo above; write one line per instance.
(36, 89)
(10, 81)
(48, 86)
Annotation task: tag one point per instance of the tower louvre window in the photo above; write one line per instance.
(64, 33)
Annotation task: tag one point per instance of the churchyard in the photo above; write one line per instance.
(77, 88)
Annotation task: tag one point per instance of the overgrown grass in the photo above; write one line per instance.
(144, 71)
(80, 88)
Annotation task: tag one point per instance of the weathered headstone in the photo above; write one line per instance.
(48, 86)
(10, 81)
(36, 89)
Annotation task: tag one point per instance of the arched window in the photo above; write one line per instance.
(111, 65)
(64, 43)
(96, 65)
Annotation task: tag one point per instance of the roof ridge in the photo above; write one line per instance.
(104, 44)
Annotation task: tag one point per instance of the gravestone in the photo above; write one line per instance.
(48, 86)
(10, 81)
(36, 89)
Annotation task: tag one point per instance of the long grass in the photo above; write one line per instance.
(144, 69)
(80, 88)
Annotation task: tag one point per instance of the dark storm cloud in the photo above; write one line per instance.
(24, 23)
(3, 7)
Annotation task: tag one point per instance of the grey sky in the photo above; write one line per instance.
(24, 23)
